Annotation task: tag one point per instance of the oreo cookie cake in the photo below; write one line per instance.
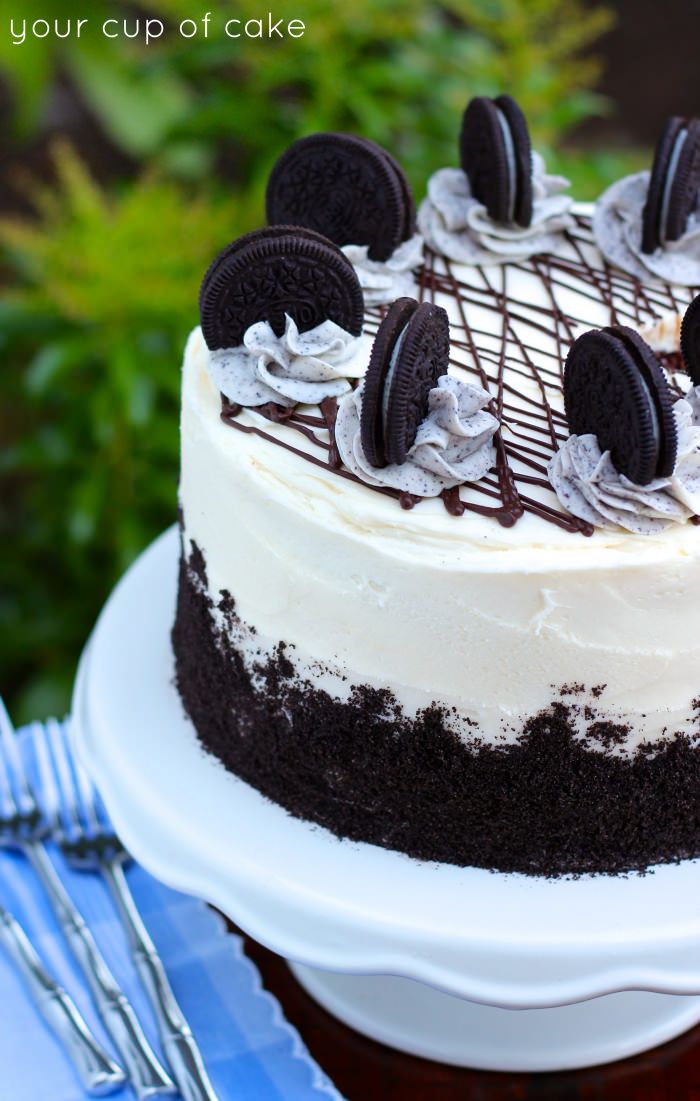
(440, 577)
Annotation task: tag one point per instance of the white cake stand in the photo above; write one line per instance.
(432, 959)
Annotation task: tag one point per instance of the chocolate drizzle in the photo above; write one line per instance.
(532, 420)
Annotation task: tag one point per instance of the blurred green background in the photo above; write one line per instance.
(127, 167)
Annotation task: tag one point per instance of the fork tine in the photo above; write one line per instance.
(86, 791)
(14, 789)
(67, 803)
(49, 788)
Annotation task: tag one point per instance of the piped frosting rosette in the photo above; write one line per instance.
(384, 281)
(409, 425)
(589, 485)
(457, 225)
(290, 369)
(356, 194)
(617, 227)
(633, 459)
(282, 314)
(501, 205)
(648, 224)
(453, 444)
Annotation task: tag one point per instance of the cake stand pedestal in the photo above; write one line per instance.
(501, 972)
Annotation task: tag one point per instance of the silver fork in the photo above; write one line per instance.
(88, 840)
(98, 1073)
(22, 827)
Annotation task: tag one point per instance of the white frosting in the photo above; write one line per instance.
(383, 281)
(588, 484)
(456, 224)
(288, 369)
(617, 225)
(692, 398)
(452, 446)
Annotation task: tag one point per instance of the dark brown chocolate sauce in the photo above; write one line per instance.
(531, 427)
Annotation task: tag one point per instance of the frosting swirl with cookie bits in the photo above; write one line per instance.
(290, 369)
(588, 484)
(454, 443)
(383, 281)
(617, 227)
(457, 225)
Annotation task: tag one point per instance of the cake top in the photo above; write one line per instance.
(484, 392)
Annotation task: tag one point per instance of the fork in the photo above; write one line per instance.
(98, 1073)
(22, 827)
(87, 838)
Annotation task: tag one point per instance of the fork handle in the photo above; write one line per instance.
(146, 1075)
(98, 1074)
(179, 1046)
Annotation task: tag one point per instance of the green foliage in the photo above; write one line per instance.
(106, 284)
(91, 343)
(398, 70)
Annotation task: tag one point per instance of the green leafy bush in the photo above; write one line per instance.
(105, 285)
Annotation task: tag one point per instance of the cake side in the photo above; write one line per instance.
(356, 763)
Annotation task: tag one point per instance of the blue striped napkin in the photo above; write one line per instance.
(252, 1053)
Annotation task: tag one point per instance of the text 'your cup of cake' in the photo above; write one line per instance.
(648, 224)
(356, 194)
(281, 313)
(501, 205)
(632, 460)
(410, 426)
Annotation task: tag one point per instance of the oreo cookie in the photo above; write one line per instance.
(276, 271)
(345, 187)
(673, 183)
(690, 340)
(410, 352)
(615, 387)
(495, 153)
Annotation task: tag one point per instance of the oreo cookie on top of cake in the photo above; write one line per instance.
(356, 194)
(282, 315)
(501, 205)
(648, 224)
(633, 457)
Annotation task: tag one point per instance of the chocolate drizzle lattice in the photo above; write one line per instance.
(511, 326)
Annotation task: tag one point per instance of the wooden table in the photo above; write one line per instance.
(367, 1071)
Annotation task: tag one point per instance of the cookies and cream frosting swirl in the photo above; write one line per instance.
(289, 369)
(383, 281)
(617, 227)
(453, 445)
(588, 484)
(457, 225)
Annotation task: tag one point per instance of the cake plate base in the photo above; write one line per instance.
(501, 972)
(423, 1021)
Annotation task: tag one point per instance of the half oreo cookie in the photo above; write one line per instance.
(276, 271)
(614, 387)
(673, 184)
(347, 188)
(410, 352)
(495, 153)
(690, 340)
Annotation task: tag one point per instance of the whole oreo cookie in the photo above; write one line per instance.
(690, 340)
(345, 187)
(495, 153)
(673, 183)
(410, 352)
(615, 388)
(276, 271)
